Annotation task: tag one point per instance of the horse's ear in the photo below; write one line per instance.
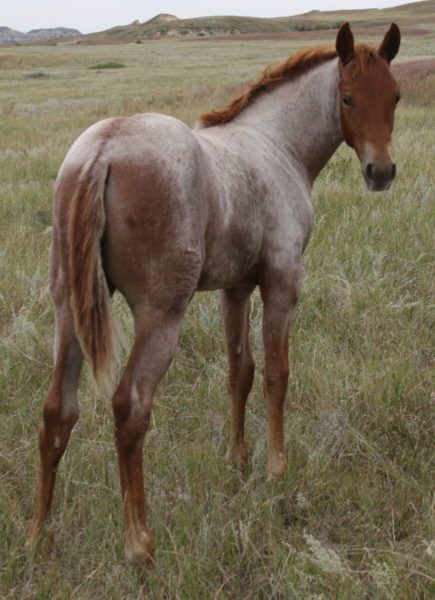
(390, 44)
(344, 44)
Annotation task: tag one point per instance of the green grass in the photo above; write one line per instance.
(352, 518)
(107, 65)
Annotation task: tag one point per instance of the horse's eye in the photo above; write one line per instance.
(347, 100)
(397, 97)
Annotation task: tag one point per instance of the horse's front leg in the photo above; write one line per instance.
(241, 366)
(279, 291)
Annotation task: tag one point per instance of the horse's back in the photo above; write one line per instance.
(137, 139)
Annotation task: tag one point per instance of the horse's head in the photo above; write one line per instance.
(368, 98)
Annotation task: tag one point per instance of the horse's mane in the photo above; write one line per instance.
(294, 66)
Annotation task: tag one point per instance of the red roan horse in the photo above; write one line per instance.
(146, 206)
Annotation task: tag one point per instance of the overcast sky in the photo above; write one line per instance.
(96, 15)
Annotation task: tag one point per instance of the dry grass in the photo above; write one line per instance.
(353, 517)
(417, 81)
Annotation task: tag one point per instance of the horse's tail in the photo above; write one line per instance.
(90, 298)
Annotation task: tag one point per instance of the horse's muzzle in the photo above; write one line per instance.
(379, 177)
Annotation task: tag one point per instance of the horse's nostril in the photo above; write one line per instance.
(393, 171)
(369, 171)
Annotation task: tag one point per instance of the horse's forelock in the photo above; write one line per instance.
(364, 57)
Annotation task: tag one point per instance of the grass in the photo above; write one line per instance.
(107, 65)
(353, 517)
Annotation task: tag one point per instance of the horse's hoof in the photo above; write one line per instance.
(36, 534)
(277, 467)
(30, 545)
(139, 548)
(41, 543)
(237, 456)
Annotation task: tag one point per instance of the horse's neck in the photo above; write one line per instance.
(302, 118)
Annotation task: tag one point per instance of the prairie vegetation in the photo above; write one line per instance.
(415, 18)
(107, 65)
(352, 518)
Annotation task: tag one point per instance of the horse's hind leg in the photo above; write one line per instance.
(60, 412)
(241, 366)
(155, 343)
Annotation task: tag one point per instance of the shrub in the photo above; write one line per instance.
(37, 75)
(108, 65)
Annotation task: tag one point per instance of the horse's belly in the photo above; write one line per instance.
(219, 280)
(232, 250)
(229, 265)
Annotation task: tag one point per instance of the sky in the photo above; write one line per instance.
(96, 15)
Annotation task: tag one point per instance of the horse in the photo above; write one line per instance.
(156, 210)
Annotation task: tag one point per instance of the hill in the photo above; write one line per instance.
(163, 18)
(416, 17)
(11, 36)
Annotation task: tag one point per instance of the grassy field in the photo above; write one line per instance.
(353, 517)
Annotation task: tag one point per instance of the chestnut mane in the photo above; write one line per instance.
(294, 66)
